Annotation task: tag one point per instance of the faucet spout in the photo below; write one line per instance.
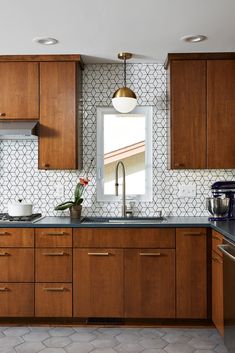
(121, 164)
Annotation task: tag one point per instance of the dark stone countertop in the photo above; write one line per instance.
(226, 228)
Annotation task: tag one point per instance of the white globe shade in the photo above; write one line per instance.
(124, 104)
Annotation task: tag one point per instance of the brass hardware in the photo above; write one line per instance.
(55, 289)
(57, 233)
(4, 254)
(46, 165)
(150, 254)
(123, 56)
(54, 253)
(179, 165)
(98, 254)
(4, 233)
(216, 260)
(124, 92)
(188, 234)
(3, 289)
(2, 114)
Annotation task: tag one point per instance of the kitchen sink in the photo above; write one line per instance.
(133, 220)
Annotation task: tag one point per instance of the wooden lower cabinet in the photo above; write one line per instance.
(16, 299)
(53, 300)
(191, 273)
(217, 292)
(98, 282)
(150, 283)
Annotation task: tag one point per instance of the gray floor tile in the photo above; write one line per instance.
(129, 347)
(82, 337)
(10, 341)
(53, 350)
(36, 336)
(179, 348)
(105, 342)
(61, 331)
(79, 347)
(152, 342)
(29, 347)
(57, 342)
(16, 331)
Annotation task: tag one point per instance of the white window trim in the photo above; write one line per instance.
(147, 197)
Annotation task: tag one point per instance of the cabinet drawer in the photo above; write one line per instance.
(16, 265)
(53, 300)
(53, 265)
(17, 237)
(16, 299)
(217, 239)
(53, 237)
(124, 237)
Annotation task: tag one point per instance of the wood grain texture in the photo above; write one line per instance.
(53, 237)
(19, 90)
(17, 237)
(124, 237)
(198, 56)
(188, 114)
(53, 265)
(191, 273)
(98, 283)
(53, 303)
(58, 116)
(217, 239)
(149, 283)
(17, 300)
(221, 117)
(217, 292)
(59, 57)
(16, 265)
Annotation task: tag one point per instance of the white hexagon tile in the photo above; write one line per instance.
(20, 177)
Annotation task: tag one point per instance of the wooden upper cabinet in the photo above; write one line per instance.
(188, 114)
(19, 90)
(221, 113)
(58, 146)
(191, 273)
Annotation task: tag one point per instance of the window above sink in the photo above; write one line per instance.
(126, 138)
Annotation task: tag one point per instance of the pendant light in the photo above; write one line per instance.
(124, 99)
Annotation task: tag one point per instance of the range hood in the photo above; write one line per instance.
(17, 130)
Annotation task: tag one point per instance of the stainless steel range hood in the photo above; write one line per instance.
(17, 130)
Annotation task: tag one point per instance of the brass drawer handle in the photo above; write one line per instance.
(150, 254)
(54, 253)
(57, 233)
(2, 114)
(4, 254)
(55, 289)
(3, 289)
(181, 165)
(98, 254)
(4, 233)
(193, 234)
(216, 260)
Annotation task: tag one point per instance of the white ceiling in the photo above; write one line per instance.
(99, 29)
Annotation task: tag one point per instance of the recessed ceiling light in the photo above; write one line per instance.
(46, 41)
(194, 38)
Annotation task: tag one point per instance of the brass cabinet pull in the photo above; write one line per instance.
(54, 253)
(55, 289)
(4, 254)
(217, 260)
(56, 233)
(188, 234)
(179, 165)
(4, 233)
(98, 254)
(2, 114)
(150, 254)
(46, 165)
(3, 289)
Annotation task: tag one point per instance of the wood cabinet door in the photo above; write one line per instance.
(16, 265)
(53, 265)
(191, 273)
(16, 299)
(53, 300)
(188, 114)
(19, 90)
(150, 283)
(17, 237)
(98, 282)
(221, 117)
(53, 237)
(58, 123)
(217, 292)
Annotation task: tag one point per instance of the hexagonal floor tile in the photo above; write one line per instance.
(82, 337)
(81, 347)
(129, 347)
(16, 331)
(36, 336)
(61, 331)
(152, 342)
(179, 348)
(203, 343)
(29, 347)
(57, 342)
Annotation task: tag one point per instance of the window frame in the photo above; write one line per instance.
(148, 196)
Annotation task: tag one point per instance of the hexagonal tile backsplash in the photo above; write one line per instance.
(20, 177)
